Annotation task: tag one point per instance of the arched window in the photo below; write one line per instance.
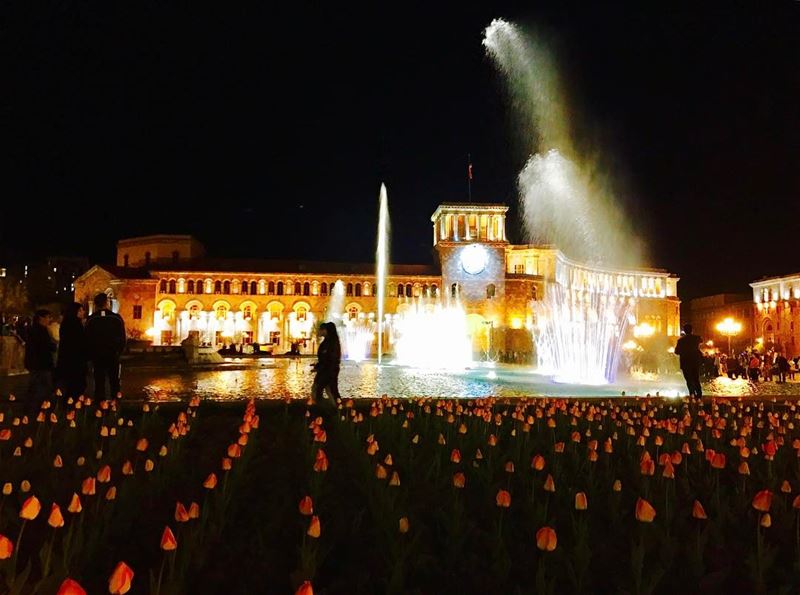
(454, 290)
(323, 289)
(280, 287)
(190, 286)
(400, 288)
(301, 313)
(433, 290)
(297, 288)
(247, 312)
(172, 286)
(245, 287)
(491, 291)
(253, 288)
(226, 287)
(162, 287)
(306, 288)
(425, 290)
(222, 312)
(358, 289)
(271, 288)
(409, 290)
(218, 287)
(199, 286)
(349, 289)
(194, 312)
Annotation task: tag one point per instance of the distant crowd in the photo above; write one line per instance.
(767, 367)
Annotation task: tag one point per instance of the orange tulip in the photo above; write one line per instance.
(786, 487)
(226, 464)
(546, 539)
(698, 511)
(58, 463)
(181, 515)
(6, 547)
(141, 444)
(455, 456)
(403, 525)
(744, 468)
(121, 578)
(211, 481)
(718, 460)
(111, 494)
(70, 587)
(395, 480)
(669, 470)
(459, 480)
(510, 467)
(104, 475)
(796, 502)
(30, 508)
(5, 434)
(645, 513)
(762, 501)
(55, 520)
(306, 506)
(127, 468)
(647, 467)
(388, 460)
(149, 465)
(766, 520)
(314, 528)
(537, 463)
(194, 510)
(617, 486)
(549, 484)
(380, 471)
(503, 499)
(88, 486)
(580, 501)
(305, 589)
(168, 541)
(75, 504)
(234, 451)
(321, 461)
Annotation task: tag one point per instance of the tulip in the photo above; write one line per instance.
(580, 501)
(796, 502)
(718, 461)
(7, 488)
(647, 467)
(546, 539)
(168, 541)
(314, 529)
(503, 499)
(305, 589)
(6, 547)
(549, 484)
(459, 480)
(321, 461)
(211, 481)
(181, 515)
(121, 578)
(645, 513)
(698, 511)
(510, 467)
(388, 460)
(88, 486)
(194, 510)
(70, 587)
(149, 465)
(25, 486)
(141, 444)
(127, 468)
(30, 509)
(111, 493)
(75, 504)
(786, 487)
(55, 520)
(537, 463)
(58, 463)
(395, 480)
(234, 451)
(766, 520)
(744, 468)
(762, 501)
(380, 471)
(455, 456)
(403, 525)
(306, 506)
(104, 475)
(226, 464)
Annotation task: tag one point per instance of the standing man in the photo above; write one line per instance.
(688, 349)
(105, 338)
(39, 352)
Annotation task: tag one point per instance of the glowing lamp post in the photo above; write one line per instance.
(729, 327)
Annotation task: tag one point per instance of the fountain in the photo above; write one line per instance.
(382, 260)
(578, 335)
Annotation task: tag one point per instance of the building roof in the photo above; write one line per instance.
(719, 300)
(238, 265)
(774, 278)
(159, 237)
(469, 206)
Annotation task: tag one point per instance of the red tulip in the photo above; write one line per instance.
(698, 511)
(786, 487)
(645, 513)
(718, 461)
(70, 587)
(546, 539)
(549, 484)
(762, 501)
(30, 509)
(503, 499)
(168, 541)
(305, 589)
(56, 520)
(306, 506)
(104, 474)
(211, 481)
(121, 578)
(321, 461)
(455, 456)
(538, 462)
(459, 480)
(181, 515)
(580, 501)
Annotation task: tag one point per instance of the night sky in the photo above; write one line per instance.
(266, 131)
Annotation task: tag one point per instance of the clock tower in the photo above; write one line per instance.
(471, 241)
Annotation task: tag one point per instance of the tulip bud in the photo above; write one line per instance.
(503, 499)
(149, 465)
(168, 541)
(762, 501)
(403, 525)
(766, 520)
(580, 501)
(55, 520)
(194, 510)
(7, 488)
(459, 480)
(211, 481)
(25, 486)
(121, 578)
(546, 539)
(181, 515)
(6, 547)
(314, 528)
(645, 513)
(306, 506)
(698, 511)
(70, 587)
(75, 504)
(395, 480)
(305, 589)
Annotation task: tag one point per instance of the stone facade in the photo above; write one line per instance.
(776, 315)
(175, 292)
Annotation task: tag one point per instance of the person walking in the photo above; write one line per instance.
(753, 367)
(688, 349)
(329, 357)
(39, 351)
(782, 365)
(105, 339)
(71, 367)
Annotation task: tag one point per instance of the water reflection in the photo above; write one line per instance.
(282, 378)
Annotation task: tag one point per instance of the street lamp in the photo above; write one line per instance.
(729, 327)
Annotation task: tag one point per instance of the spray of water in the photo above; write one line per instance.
(382, 260)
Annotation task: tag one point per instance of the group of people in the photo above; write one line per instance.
(63, 363)
(771, 366)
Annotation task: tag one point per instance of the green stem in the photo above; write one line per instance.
(161, 573)
(16, 550)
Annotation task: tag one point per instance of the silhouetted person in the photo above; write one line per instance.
(782, 364)
(39, 350)
(329, 357)
(105, 338)
(73, 356)
(688, 349)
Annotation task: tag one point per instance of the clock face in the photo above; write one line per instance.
(474, 259)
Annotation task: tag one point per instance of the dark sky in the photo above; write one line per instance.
(266, 131)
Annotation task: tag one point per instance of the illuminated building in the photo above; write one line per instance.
(705, 313)
(777, 313)
(166, 288)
